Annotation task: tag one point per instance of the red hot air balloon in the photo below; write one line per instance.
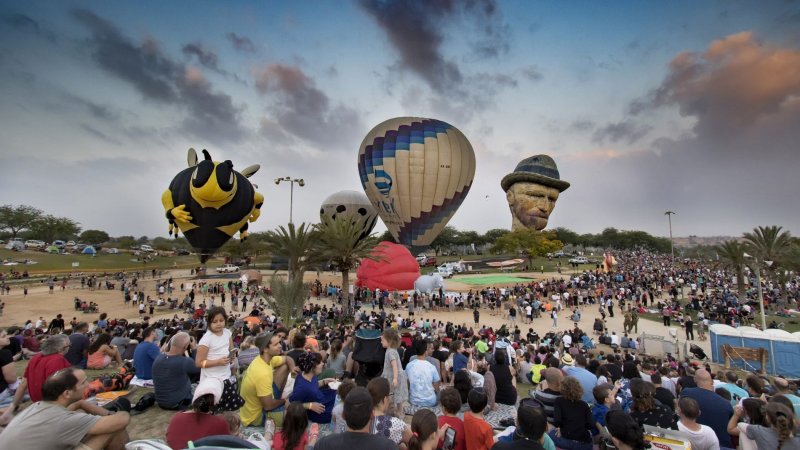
(395, 268)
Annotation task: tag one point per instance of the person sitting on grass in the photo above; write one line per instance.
(477, 431)
(357, 415)
(199, 422)
(101, 353)
(64, 421)
(451, 406)
(293, 435)
(425, 433)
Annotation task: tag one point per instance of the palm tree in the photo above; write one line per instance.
(341, 242)
(288, 296)
(771, 244)
(733, 253)
(295, 244)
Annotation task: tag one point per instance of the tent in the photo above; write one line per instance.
(782, 347)
(52, 249)
(15, 245)
(89, 250)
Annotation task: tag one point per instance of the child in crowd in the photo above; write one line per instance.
(337, 420)
(451, 405)
(393, 371)
(605, 397)
(477, 431)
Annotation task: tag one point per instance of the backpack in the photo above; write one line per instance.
(110, 381)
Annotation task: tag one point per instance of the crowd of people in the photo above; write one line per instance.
(230, 371)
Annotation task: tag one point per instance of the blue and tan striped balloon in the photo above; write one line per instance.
(416, 172)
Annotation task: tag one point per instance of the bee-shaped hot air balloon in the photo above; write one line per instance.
(209, 202)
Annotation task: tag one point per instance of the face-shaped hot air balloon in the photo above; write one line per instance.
(209, 202)
(352, 204)
(416, 172)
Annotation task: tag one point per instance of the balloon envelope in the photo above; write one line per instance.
(352, 204)
(416, 172)
(395, 268)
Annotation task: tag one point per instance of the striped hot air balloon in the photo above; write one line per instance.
(416, 172)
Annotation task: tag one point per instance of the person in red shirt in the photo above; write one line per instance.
(451, 404)
(49, 361)
(478, 432)
(199, 422)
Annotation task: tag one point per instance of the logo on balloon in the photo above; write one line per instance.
(383, 182)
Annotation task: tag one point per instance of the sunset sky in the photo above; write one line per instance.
(646, 107)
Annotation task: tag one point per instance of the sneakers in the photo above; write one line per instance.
(269, 429)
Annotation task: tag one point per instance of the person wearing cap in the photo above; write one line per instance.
(357, 413)
(199, 422)
(532, 190)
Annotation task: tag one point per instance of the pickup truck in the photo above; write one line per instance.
(227, 268)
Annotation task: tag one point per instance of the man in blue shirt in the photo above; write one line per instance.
(737, 393)
(715, 410)
(587, 380)
(145, 354)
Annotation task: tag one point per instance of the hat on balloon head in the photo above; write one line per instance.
(539, 169)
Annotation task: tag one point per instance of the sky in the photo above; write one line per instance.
(688, 106)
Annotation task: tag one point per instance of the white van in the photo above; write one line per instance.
(444, 271)
(146, 248)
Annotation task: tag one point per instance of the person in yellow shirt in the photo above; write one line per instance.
(535, 375)
(263, 382)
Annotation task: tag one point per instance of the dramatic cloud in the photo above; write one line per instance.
(241, 43)
(205, 56)
(301, 107)
(23, 22)
(625, 131)
(211, 115)
(733, 86)
(416, 30)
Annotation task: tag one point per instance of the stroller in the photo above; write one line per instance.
(368, 352)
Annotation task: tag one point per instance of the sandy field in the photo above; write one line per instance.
(39, 302)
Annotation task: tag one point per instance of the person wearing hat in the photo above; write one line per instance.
(357, 415)
(576, 368)
(532, 190)
(198, 422)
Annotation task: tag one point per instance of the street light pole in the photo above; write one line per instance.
(671, 242)
(291, 181)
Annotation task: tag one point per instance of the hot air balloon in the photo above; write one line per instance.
(393, 268)
(416, 172)
(351, 204)
(210, 202)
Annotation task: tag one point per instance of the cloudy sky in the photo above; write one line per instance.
(645, 106)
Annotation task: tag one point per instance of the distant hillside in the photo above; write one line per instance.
(693, 241)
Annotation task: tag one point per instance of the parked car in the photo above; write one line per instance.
(60, 244)
(33, 243)
(70, 244)
(227, 268)
(425, 260)
(146, 248)
(181, 252)
(579, 260)
(111, 251)
(444, 271)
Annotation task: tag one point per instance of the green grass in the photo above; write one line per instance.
(50, 263)
(491, 279)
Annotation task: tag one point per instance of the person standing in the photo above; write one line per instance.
(554, 316)
(689, 325)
